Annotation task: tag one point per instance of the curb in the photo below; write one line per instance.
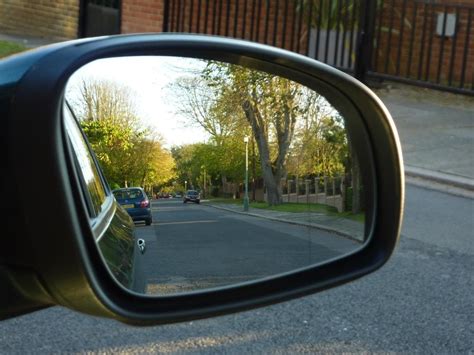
(440, 177)
(312, 225)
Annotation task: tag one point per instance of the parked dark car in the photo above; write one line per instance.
(136, 202)
(192, 196)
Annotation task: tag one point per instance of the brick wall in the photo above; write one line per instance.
(142, 16)
(44, 18)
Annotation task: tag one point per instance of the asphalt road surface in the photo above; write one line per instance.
(421, 301)
(193, 246)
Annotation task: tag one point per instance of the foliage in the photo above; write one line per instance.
(325, 13)
(201, 102)
(268, 104)
(320, 146)
(195, 160)
(129, 154)
(295, 130)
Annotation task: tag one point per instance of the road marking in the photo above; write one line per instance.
(186, 222)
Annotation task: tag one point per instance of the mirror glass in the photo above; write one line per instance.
(230, 174)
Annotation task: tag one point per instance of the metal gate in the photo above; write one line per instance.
(420, 42)
(322, 29)
(99, 17)
(426, 43)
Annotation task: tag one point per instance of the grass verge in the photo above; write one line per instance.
(296, 208)
(7, 48)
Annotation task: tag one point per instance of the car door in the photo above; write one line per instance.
(112, 226)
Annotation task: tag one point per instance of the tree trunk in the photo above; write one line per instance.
(273, 195)
(260, 133)
(254, 172)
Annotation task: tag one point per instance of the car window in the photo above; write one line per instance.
(86, 163)
(128, 194)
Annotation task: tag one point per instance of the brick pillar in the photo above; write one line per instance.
(142, 16)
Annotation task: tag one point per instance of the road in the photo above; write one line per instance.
(421, 301)
(191, 246)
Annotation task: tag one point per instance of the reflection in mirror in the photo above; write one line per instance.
(244, 174)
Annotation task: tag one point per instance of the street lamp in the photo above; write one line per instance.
(246, 196)
(185, 186)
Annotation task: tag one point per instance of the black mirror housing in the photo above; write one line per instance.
(52, 258)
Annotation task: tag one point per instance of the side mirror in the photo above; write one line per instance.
(84, 256)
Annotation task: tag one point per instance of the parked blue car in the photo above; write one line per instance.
(136, 202)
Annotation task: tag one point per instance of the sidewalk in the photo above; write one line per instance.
(436, 131)
(342, 226)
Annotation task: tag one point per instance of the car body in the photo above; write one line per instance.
(118, 242)
(192, 196)
(136, 202)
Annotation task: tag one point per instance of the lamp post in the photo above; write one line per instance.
(185, 186)
(246, 196)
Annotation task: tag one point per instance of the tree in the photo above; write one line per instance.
(200, 102)
(295, 129)
(102, 100)
(320, 143)
(129, 154)
(152, 165)
(269, 104)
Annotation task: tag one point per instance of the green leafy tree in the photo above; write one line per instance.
(129, 154)
(200, 102)
(295, 130)
(269, 105)
(320, 146)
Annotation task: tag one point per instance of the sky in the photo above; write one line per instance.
(148, 77)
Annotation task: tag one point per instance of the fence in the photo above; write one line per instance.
(425, 43)
(414, 41)
(329, 191)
